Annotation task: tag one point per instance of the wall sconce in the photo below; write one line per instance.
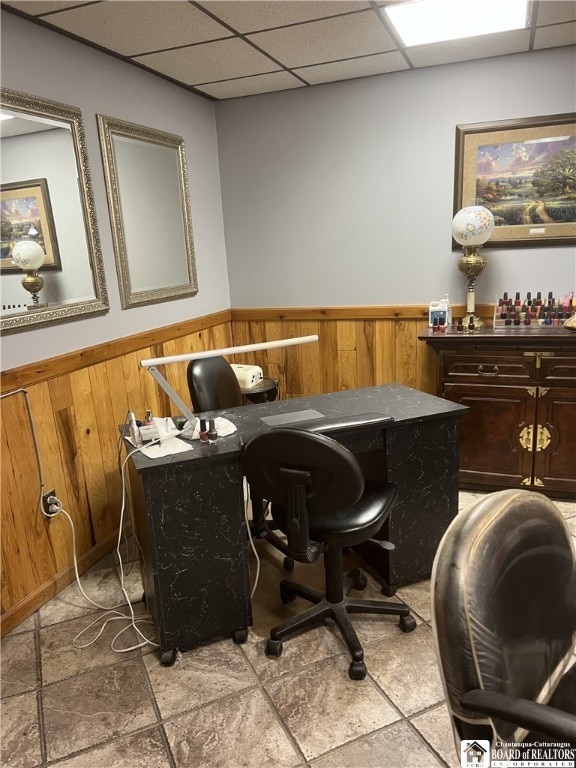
(471, 228)
(29, 256)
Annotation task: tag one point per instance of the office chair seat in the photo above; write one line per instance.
(322, 504)
(504, 620)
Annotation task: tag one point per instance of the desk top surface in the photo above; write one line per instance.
(404, 404)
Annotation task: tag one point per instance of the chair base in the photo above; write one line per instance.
(339, 611)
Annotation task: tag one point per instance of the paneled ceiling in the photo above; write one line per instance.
(224, 49)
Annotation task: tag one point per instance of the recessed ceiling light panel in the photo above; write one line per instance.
(433, 21)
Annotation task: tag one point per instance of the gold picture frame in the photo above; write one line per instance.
(520, 170)
(23, 205)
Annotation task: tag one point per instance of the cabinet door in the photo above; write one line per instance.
(496, 434)
(555, 446)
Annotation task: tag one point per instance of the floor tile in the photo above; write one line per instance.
(100, 584)
(26, 626)
(142, 750)
(396, 746)
(299, 652)
(19, 668)
(240, 731)
(206, 673)
(397, 663)
(61, 659)
(323, 708)
(467, 497)
(435, 727)
(96, 706)
(417, 596)
(20, 732)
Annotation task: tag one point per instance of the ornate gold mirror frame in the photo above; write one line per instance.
(149, 203)
(87, 256)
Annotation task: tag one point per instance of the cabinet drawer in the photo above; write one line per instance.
(559, 370)
(490, 368)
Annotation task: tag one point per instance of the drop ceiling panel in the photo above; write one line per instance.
(252, 16)
(556, 12)
(209, 62)
(555, 35)
(261, 46)
(250, 86)
(131, 28)
(472, 48)
(36, 7)
(342, 37)
(379, 64)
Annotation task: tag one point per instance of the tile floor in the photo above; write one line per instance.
(221, 704)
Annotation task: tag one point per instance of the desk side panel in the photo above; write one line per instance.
(197, 550)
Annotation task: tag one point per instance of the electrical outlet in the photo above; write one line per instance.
(46, 504)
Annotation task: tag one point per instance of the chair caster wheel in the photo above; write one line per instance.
(286, 596)
(240, 636)
(407, 623)
(357, 670)
(361, 582)
(169, 657)
(274, 647)
(288, 564)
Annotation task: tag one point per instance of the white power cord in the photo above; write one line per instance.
(55, 508)
(250, 537)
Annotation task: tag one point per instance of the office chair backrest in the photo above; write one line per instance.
(213, 384)
(504, 603)
(307, 475)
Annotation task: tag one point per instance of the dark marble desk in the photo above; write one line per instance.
(190, 516)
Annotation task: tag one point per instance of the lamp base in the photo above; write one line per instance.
(32, 307)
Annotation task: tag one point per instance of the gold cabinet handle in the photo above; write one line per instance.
(493, 372)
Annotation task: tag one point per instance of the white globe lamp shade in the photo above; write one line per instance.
(472, 226)
(28, 255)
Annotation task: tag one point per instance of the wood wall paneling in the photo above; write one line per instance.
(78, 400)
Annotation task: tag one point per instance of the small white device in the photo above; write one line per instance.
(248, 375)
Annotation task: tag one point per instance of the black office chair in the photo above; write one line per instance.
(504, 618)
(322, 503)
(213, 385)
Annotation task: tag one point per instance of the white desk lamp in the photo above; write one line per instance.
(176, 399)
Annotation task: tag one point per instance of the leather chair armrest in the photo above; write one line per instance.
(523, 713)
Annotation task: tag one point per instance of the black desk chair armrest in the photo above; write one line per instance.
(355, 422)
(523, 713)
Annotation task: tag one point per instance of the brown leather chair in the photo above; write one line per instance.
(504, 620)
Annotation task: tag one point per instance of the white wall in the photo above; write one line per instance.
(58, 68)
(342, 194)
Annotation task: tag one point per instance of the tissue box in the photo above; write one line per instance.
(248, 375)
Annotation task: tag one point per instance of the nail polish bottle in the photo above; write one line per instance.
(203, 431)
(459, 326)
(212, 433)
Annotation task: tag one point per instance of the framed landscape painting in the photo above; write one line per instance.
(27, 215)
(524, 171)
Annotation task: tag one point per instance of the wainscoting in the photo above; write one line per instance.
(78, 400)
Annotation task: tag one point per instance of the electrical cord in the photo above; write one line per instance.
(251, 538)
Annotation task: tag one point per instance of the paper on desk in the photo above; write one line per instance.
(168, 444)
(168, 433)
(223, 428)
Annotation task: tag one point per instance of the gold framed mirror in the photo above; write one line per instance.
(149, 203)
(47, 201)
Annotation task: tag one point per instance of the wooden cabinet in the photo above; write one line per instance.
(520, 388)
